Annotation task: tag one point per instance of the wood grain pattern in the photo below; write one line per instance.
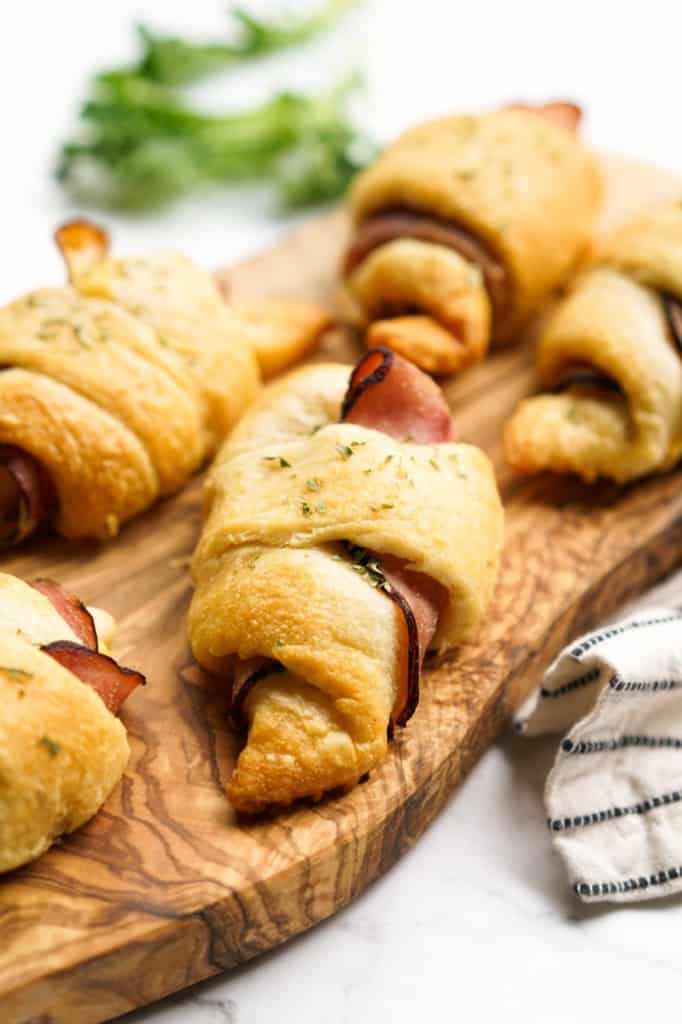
(166, 886)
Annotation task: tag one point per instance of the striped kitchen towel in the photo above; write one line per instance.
(614, 795)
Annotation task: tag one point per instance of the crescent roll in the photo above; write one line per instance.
(462, 228)
(62, 748)
(610, 360)
(114, 389)
(346, 532)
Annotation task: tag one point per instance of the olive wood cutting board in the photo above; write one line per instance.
(166, 886)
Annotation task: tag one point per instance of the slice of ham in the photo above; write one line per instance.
(106, 677)
(562, 113)
(584, 375)
(248, 672)
(673, 312)
(403, 222)
(110, 680)
(26, 495)
(389, 393)
(73, 611)
(420, 600)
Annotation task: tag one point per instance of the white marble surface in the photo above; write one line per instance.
(476, 920)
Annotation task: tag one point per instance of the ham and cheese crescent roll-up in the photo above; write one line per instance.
(463, 226)
(116, 388)
(62, 749)
(346, 533)
(610, 360)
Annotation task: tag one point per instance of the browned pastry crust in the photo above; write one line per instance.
(623, 323)
(290, 494)
(61, 751)
(462, 228)
(117, 386)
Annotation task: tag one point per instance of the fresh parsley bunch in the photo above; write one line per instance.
(142, 145)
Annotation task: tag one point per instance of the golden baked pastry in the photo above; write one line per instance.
(462, 228)
(343, 537)
(282, 332)
(116, 388)
(121, 384)
(611, 359)
(62, 750)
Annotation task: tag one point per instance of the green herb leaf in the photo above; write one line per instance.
(344, 450)
(277, 460)
(174, 60)
(458, 470)
(367, 566)
(141, 145)
(50, 745)
(314, 483)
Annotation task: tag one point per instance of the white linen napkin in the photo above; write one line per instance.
(614, 795)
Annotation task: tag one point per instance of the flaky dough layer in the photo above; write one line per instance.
(122, 383)
(61, 751)
(274, 579)
(521, 185)
(615, 321)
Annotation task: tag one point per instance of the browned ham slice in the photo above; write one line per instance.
(106, 677)
(585, 375)
(26, 495)
(388, 393)
(247, 672)
(561, 112)
(673, 312)
(404, 222)
(112, 682)
(399, 222)
(73, 611)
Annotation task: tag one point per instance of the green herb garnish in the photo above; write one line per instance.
(367, 566)
(277, 460)
(50, 745)
(458, 470)
(313, 484)
(174, 60)
(142, 144)
(344, 450)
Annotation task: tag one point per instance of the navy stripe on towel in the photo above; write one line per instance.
(598, 638)
(574, 684)
(627, 884)
(601, 746)
(641, 807)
